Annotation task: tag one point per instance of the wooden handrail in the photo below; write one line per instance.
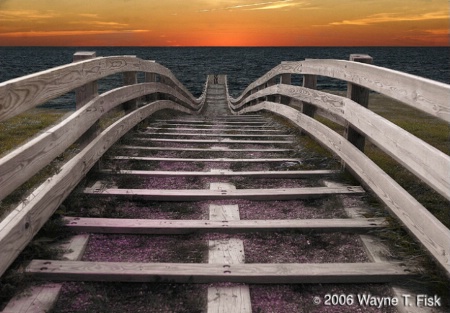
(423, 94)
(21, 94)
(19, 227)
(430, 232)
(422, 159)
(22, 163)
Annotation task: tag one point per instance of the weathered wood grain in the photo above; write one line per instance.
(424, 94)
(215, 129)
(419, 157)
(249, 194)
(205, 160)
(426, 228)
(19, 227)
(145, 226)
(41, 298)
(221, 140)
(212, 149)
(20, 94)
(259, 174)
(22, 163)
(295, 273)
(215, 135)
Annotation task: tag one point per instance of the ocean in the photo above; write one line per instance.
(242, 65)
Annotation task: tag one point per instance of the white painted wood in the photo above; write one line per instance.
(22, 163)
(428, 163)
(19, 227)
(291, 273)
(421, 93)
(426, 228)
(224, 225)
(249, 194)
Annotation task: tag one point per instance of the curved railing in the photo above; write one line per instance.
(423, 160)
(19, 95)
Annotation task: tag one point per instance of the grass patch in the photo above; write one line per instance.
(21, 128)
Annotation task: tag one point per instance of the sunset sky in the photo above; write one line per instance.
(224, 23)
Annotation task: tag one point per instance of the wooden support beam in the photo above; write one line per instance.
(293, 273)
(359, 95)
(176, 227)
(216, 129)
(130, 78)
(83, 95)
(249, 194)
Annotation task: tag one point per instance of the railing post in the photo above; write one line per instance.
(309, 81)
(84, 94)
(89, 91)
(286, 80)
(130, 78)
(360, 95)
(150, 78)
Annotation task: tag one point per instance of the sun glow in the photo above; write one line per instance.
(224, 23)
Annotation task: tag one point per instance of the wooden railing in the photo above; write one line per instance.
(423, 160)
(161, 89)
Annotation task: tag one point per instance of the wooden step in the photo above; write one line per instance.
(227, 173)
(172, 227)
(249, 194)
(209, 122)
(216, 129)
(202, 160)
(291, 273)
(212, 149)
(214, 135)
(224, 140)
(236, 127)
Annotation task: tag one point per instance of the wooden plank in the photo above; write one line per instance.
(427, 162)
(208, 122)
(25, 161)
(258, 174)
(20, 226)
(229, 299)
(223, 212)
(216, 129)
(207, 126)
(215, 135)
(23, 93)
(421, 93)
(201, 194)
(227, 251)
(41, 299)
(146, 226)
(292, 273)
(205, 160)
(425, 227)
(225, 140)
(211, 149)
